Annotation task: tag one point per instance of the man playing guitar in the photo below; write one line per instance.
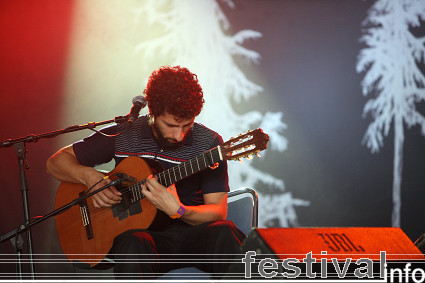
(196, 206)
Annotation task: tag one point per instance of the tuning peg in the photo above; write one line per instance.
(249, 157)
(259, 155)
(240, 160)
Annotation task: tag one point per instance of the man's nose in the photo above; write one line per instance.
(178, 134)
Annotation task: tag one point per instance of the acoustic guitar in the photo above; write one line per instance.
(86, 233)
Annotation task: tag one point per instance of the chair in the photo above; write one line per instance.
(242, 210)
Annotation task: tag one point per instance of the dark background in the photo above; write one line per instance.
(309, 52)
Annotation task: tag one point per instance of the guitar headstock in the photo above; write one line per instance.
(244, 145)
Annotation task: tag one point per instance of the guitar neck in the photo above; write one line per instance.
(190, 167)
(240, 147)
(181, 171)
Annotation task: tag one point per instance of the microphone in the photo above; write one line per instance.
(139, 102)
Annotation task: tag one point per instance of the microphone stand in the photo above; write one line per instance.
(26, 227)
(21, 151)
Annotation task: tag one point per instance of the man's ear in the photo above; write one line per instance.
(151, 118)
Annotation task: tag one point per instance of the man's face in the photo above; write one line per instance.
(170, 130)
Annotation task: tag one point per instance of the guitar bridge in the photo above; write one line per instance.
(85, 217)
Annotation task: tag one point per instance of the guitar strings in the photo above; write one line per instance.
(165, 178)
(98, 211)
(161, 177)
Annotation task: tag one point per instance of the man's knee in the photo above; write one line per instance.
(225, 229)
(223, 226)
(141, 242)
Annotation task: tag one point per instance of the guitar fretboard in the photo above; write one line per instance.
(180, 171)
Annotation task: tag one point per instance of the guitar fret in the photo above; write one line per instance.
(211, 156)
(200, 161)
(132, 199)
(165, 179)
(175, 177)
(132, 193)
(220, 156)
(169, 176)
(138, 192)
(205, 161)
(180, 171)
(161, 179)
(190, 162)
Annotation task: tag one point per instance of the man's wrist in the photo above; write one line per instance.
(179, 213)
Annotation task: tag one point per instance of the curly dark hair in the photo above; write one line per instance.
(174, 90)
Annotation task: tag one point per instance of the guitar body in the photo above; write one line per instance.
(73, 235)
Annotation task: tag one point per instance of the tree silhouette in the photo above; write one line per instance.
(390, 63)
(191, 33)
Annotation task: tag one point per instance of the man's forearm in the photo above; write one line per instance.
(65, 167)
(195, 215)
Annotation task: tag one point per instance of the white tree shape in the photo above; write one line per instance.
(391, 72)
(191, 33)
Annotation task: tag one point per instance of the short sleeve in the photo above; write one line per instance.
(96, 149)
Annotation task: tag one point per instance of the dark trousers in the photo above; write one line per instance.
(146, 254)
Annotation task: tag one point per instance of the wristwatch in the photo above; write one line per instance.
(179, 212)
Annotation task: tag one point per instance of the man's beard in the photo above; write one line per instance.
(166, 143)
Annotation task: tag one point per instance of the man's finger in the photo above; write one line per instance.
(110, 193)
(114, 190)
(146, 192)
(95, 203)
(104, 200)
